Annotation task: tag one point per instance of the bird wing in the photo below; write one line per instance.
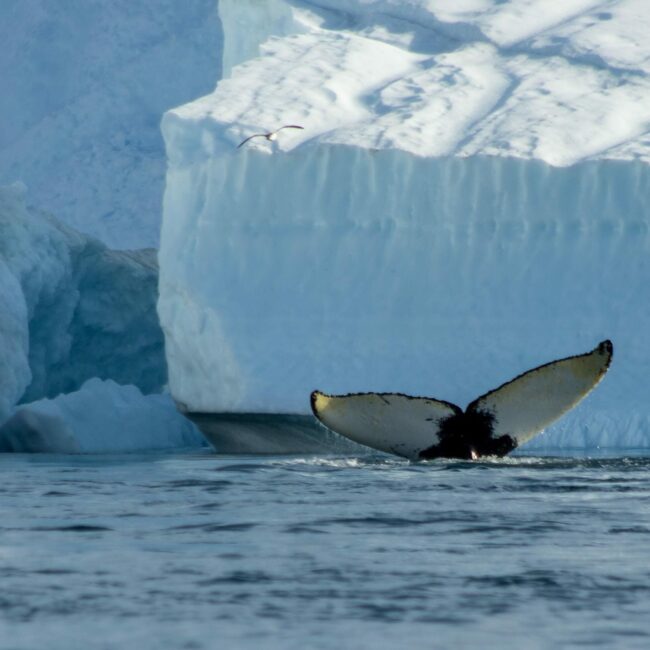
(250, 137)
(530, 402)
(390, 422)
(290, 126)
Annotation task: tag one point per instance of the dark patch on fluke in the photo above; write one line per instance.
(468, 435)
(606, 347)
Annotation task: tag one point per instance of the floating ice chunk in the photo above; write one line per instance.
(71, 309)
(100, 417)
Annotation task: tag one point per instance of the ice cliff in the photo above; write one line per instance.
(468, 199)
(72, 309)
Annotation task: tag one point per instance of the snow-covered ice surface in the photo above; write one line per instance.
(467, 200)
(101, 417)
(84, 85)
(71, 309)
(560, 84)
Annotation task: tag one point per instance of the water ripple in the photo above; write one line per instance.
(176, 551)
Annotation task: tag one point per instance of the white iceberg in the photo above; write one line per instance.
(467, 200)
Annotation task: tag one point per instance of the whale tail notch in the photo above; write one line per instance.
(493, 424)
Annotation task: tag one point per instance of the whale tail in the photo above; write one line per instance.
(494, 424)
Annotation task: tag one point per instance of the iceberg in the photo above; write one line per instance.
(468, 199)
(101, 417)
(71, 309)
(84, 85)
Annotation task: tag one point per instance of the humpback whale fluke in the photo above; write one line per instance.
(492, 425)
(271, 136)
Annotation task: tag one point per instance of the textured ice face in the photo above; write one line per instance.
(71, 309)
(14, 364)
(351, 270)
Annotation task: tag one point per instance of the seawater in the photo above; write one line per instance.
(201, 551)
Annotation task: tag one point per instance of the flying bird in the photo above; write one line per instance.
(273, 135)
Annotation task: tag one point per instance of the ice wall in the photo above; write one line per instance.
(84, 85)
(71, 309)
(468, 199)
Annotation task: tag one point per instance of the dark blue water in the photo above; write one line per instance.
(200, 551)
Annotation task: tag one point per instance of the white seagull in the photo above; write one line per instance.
(273, 135)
